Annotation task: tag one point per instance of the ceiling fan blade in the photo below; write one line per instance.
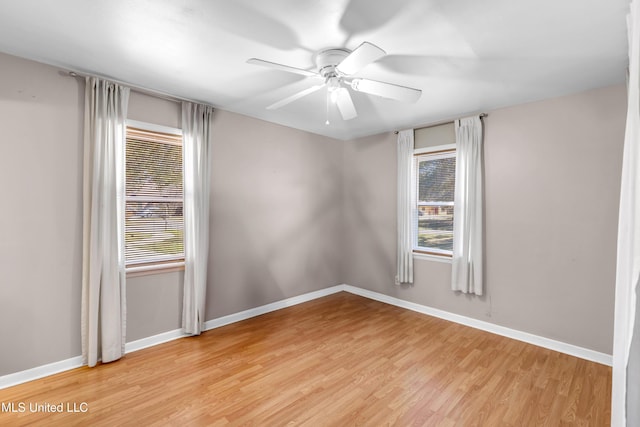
(293, 97)
(386, 90)
(362, 56)
(345, 104)
(256, 61)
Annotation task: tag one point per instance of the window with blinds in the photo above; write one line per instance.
(435, 187)
(154, 223)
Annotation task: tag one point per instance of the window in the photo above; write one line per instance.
(435, 171)
(154, 224)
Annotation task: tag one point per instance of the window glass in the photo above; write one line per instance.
(435, 175)
(154, 224)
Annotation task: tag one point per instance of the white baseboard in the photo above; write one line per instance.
(75, 362)
(570, 349)
(263, 309)
(40, 372)
(231, 318)
(154, 340)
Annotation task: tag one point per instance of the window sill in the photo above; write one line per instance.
(432, 257)
(148, 269)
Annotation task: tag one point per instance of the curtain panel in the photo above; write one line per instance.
(196, 137)
(467, 261)
(103, 266)
(625, 395)
(406, 200)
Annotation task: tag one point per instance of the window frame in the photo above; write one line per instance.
(435, 152)
(160, 264)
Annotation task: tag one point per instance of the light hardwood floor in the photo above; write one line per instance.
(341, 360)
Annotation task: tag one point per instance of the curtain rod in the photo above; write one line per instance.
(140, 89)
(481, 115)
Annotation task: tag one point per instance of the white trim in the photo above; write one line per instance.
(429, 257)
(435, 204)
(570, 349)
(434, 251)
(162, 338)
(40, 372)
(76, 362)
(231, 318)
(427, 150)
(426, 154)
(154, 127)
(263, 309)
(132, 268)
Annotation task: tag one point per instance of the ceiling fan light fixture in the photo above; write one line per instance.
(333, 83)
(333, 86)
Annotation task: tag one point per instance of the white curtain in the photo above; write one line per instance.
(103, 268)
(467, 262)
(625, 406)
(406, 196)
(196, 137)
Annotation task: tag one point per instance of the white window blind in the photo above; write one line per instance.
(154, 224)
(433, 219)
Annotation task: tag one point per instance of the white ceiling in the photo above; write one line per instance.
(467, 56)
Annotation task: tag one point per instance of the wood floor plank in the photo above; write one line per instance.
(341, 360)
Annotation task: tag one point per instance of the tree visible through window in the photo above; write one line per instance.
(435, 174)
(154, 224)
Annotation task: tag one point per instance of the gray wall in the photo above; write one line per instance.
(275, 214)
(41, 215)
(276, 198)
(294, 212)
(552, 186)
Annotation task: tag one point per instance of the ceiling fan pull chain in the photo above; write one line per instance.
(328, 95)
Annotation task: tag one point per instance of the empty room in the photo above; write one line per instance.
(339, 213)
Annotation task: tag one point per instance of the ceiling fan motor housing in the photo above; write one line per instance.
(327, 61)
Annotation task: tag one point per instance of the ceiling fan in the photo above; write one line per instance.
(336, 67)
